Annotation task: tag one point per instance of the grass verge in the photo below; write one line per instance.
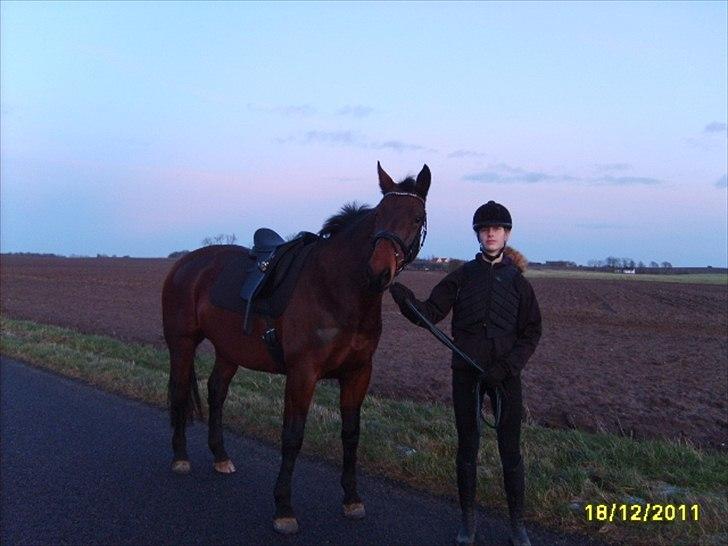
(688, 278)
(415, 442)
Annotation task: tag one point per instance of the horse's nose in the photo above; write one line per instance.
(379, 282)
(384, 278)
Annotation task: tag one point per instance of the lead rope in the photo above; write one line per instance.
(445, 340)
(498, 408)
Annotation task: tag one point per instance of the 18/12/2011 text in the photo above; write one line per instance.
(642, 513)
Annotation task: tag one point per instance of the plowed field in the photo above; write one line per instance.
(643, 359)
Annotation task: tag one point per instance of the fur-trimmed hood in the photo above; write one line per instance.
(518, 259)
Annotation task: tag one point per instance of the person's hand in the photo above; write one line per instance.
(400, 293)
(495, 373)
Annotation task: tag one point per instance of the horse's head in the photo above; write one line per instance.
(400, 226)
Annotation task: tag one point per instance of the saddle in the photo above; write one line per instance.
(262, 281)
(265, 243)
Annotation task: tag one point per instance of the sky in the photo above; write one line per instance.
(141, 128)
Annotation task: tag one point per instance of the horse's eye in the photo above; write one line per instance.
(418, 220)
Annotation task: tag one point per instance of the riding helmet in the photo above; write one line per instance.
(492, 214)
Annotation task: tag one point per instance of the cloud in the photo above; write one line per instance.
(340, 138)
(355, 111)
(709, 140)
(613, 167)
(465, 153)
(351, 138)
(332, 137)
(506, 174)
(291, 110)
(494, 177)
(627, 181)
(396, 145)
(722, 182)
(716, 127)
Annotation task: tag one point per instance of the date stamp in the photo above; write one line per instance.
(641, 513)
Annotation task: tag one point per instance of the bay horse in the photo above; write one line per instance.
(329, 329)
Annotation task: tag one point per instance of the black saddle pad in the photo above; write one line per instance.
(273, 296)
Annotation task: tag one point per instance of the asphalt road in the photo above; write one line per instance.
(82, 466)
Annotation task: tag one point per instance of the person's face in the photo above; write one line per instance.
(493, 238)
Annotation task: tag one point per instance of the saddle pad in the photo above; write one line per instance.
(273, 296)
(225, 292)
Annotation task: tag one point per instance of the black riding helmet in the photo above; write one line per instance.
(491, 214)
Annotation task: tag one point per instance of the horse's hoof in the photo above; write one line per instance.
(354, 510)
(181, 467)
(224, 467)
(285, 526)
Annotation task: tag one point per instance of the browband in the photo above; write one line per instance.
(404, 193)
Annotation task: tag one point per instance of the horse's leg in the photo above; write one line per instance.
(353, 388)
(299, 391)
(217, 389)
(181, 375)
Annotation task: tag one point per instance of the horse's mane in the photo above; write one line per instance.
(352, 212)
(349, 214)
(409, 184)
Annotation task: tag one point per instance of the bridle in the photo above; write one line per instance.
(403, 254)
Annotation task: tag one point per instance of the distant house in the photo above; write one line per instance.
(431, 264)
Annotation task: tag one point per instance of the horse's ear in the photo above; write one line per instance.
(385, 181)
(423, 180)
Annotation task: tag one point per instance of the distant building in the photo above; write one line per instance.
(430, 264)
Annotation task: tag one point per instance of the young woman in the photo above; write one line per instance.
(496, 320)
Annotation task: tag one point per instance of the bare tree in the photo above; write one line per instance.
(666, 265)
(220, 239)
(654, 264)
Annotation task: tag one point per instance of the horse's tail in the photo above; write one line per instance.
(184, 403)
(183, 395)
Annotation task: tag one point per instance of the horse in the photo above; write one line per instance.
(330, 328)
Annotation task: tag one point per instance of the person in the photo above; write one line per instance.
(496, 320)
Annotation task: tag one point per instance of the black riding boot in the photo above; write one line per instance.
(514, 484)
(467, 480)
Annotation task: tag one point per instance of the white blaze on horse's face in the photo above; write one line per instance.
(399, 226)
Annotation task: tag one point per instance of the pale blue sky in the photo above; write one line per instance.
(139, 128)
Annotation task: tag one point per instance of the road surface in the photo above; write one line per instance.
(82, 466)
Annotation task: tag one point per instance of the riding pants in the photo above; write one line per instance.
(467, 392)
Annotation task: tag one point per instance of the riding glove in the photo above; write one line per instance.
(400, 293)
(494, 374)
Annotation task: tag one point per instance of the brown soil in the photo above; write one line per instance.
(638, 358)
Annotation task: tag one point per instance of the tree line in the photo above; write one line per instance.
(625, 263)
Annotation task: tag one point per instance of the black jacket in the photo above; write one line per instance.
(513, 350)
